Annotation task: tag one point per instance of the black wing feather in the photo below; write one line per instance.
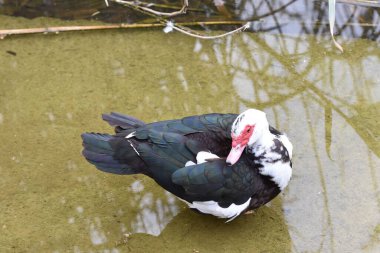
(216, 181)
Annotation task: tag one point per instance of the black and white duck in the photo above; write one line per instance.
(219, 164)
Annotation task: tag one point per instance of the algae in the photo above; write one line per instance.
(54, 87)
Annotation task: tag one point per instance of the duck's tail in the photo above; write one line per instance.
(121, 121)
(99, 150)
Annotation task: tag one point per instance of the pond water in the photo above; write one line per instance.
(55, 87)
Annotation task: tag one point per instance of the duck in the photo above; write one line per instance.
(223, 165)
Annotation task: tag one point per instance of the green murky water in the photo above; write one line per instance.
(54, 87)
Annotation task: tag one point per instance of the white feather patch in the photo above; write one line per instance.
(189, 163)
(130, 135)
(203, 156)
(279, 171)
(212, 207)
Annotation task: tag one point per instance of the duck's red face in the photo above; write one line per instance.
(239, 142)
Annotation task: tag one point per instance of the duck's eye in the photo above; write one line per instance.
(248, 130)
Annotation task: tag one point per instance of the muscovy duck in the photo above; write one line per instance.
(187, 158)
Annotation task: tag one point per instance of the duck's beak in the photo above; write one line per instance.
(235, 154)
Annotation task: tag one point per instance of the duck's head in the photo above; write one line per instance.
(246, 130)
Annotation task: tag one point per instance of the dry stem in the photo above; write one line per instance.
(58, 29)
(138, 5)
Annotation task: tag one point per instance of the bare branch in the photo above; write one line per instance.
(58, 29)
(139, 5)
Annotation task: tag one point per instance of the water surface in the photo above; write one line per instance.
(54, 87)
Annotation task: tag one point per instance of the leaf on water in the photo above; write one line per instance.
(332, 23)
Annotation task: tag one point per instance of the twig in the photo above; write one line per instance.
(137, 4)
(208, 37)
(58, 29)
(170, 25)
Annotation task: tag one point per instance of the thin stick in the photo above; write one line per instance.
(170, 25)
(137, 4)
(210, 37)
(58, 29)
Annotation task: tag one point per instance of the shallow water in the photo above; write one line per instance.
(54, 87)
(353, 19)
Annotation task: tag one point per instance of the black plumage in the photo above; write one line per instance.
(160, 150)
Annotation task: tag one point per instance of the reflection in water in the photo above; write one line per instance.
(155, 213)
(335, 167)
(264, 231)
(356, 18)
(96, 234)
(302, 16)
(328, 103)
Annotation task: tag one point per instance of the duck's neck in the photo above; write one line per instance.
(275, 164)
(263, 142)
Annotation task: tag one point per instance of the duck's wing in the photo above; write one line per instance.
(156, 147)
(165, 150)
(216, 181)
(193, 124)
(209, 130)
(158, 155)
(163, 153)
(214, 122)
